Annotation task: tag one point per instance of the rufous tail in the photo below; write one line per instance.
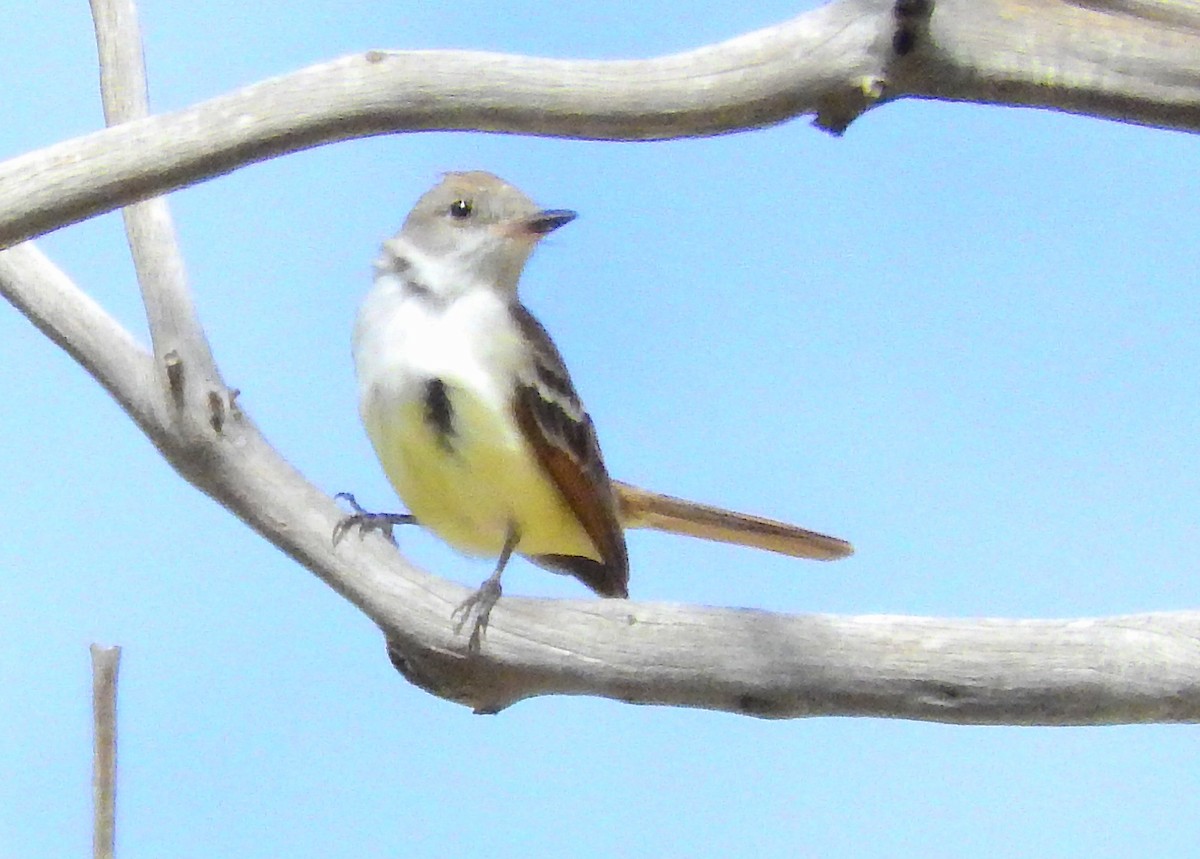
(640, 508)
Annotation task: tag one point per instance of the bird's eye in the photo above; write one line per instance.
(460, 209)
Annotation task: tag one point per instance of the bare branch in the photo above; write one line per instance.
(187, 372)
(1125, 60)
(836, 61)
(1142, 668)
(122, 67)
(1129, 60)
(105, 663)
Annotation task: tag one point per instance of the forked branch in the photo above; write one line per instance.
(836, 62)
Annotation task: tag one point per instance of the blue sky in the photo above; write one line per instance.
(962, 337)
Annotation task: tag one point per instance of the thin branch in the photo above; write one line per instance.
(184, 362)
(105, 664)
(122, 64)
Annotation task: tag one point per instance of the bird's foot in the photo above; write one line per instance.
(365, 521)
(480, 603)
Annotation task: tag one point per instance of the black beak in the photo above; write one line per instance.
(549, 220)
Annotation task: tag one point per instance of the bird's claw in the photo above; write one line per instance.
(366, 521)
(481, 603)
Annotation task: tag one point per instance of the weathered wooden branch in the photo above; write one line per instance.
(1122, 59)
(188, 391)
(1131, 60)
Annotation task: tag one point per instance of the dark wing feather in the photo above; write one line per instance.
(553, 419)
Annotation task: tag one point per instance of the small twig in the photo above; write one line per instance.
(105, 662)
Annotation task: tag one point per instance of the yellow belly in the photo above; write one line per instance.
(471, 493)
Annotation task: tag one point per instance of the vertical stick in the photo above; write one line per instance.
(105, 662)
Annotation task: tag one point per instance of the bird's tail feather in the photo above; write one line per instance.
(640, 508)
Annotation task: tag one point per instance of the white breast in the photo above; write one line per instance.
(489, 478)
(402, 339)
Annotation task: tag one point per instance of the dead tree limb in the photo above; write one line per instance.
(1133, 61)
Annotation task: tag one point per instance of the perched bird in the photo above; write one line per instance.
(474, 417)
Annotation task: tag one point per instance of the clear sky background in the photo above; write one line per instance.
(963, 337)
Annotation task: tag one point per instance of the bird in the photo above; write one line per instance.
(474, 417)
